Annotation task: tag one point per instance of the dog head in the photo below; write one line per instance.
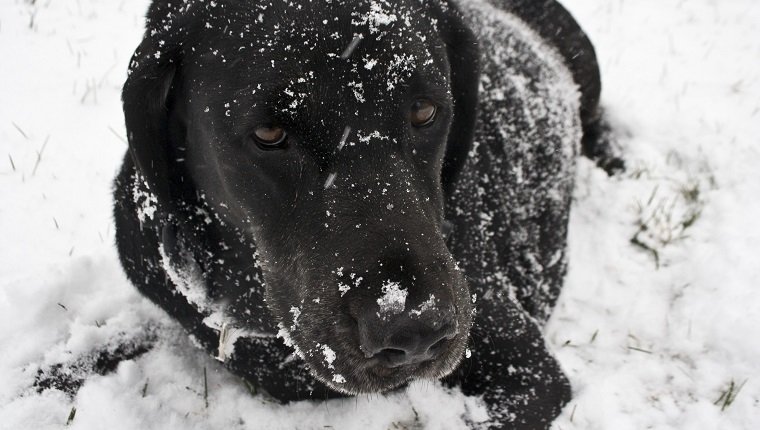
(330, 133)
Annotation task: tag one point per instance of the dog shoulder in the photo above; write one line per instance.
(560, 29)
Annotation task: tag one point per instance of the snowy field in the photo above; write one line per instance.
(657, 326)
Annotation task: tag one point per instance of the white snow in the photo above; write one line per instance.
(329, 355)
(423, 307)
(393, 299)
(682, 83)
(366, 138)
(646, 343)
(370, 63)
(146, 202)
(343, 288)
(188, 281)
(228, 335)
(378, 17)
(296, 312)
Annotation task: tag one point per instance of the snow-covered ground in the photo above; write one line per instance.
(657, 325)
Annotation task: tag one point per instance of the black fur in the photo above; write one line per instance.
(474, 205)
(69, 377)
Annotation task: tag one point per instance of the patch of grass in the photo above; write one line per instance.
(20, 130)
(666, 215)
(414, 425)
(637, 242)
(72, 414)
(118, 136)
(205, 387)
(645, 351)
(251, 388)
(728, 395)
(636, 341)
(39, 156)
(640, 170)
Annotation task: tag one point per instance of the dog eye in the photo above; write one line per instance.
(422, 113)
(269, 137)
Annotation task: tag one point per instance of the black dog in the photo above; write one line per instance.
(384, 184)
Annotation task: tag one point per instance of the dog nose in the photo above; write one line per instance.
(406, 339)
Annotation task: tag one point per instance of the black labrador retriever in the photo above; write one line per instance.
(337, 197)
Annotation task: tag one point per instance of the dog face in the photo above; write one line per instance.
(329, 134)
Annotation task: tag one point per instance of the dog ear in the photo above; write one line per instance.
(464, 62)
(144, 96)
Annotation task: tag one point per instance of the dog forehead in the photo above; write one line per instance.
(307, 60)
(363, 45)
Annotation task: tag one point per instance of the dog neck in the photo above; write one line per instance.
(202, 268)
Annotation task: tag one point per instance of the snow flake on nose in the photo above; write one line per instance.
(423, 307)
(393, 300)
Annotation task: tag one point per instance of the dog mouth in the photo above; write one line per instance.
(393, 374)
(339, 361)
(377, 375)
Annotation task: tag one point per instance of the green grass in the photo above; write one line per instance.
(728, 395)
(72, 414)
(666, 216)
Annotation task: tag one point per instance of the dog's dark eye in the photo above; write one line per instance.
(422, 113)
(269, 137)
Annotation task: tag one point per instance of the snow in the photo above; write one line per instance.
(651, 336)
(378, 16)
(146, 202)
(329, 355)
(423, 307)
(393, 299)
(343, 288)
(296, 312)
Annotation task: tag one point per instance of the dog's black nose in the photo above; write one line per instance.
(406, 338)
